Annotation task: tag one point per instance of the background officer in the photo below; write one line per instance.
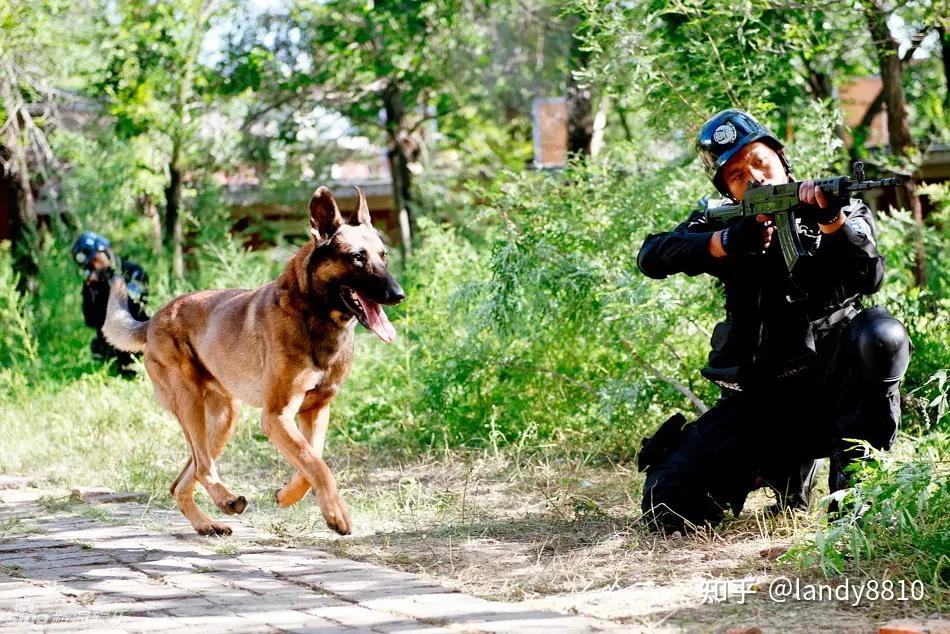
(93, 253)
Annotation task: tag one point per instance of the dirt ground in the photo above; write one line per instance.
(562, 534)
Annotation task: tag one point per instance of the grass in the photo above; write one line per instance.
(509, 522)
(16, 526)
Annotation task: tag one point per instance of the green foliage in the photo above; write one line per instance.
(17, 345)
(901, 529)
(530, 341)
(924, 311)
(680, 60)
(108, 180)
(150, 69)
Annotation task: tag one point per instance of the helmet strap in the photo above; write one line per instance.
(786, 164)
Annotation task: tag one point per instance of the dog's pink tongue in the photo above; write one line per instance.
(377, 320)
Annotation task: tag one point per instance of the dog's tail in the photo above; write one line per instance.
(121, 329)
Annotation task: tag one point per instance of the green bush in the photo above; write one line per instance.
(901, 529)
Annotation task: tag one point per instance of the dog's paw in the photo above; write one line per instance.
(234, 506)
(337, 515)
(213, 528)
(238, 504)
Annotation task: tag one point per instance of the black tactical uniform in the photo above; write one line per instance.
(95, 295)
(801, 364)
(95, 301)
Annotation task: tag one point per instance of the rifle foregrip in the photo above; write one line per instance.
(837, 187)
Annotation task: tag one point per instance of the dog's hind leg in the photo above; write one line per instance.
(207, 434)
(183, 488)
(184, 493)
(313, 425)
(220, 415)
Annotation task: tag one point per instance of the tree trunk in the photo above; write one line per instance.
(860, 132)
(580, 111)
(22, 231)
(898, 128)
(600, 125)
(172, 225)
(150, 211)
(821, 88)
(399, 169)
(622, 117)
(892, 71)
(945, 54)
(580, 119)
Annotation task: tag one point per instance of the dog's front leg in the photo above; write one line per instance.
(313, 425)
(278, 425)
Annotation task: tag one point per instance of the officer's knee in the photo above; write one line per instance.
(884, 348)
(672, 502)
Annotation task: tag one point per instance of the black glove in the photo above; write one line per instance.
(743, 237)
(826, 215)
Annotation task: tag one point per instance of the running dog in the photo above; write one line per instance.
(285, 347)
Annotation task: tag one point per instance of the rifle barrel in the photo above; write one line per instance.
(865, 185)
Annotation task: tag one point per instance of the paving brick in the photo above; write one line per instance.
(357, 615)
(159, 622)
(216, 623)
(284, 618)
(22, 545)
(301, 603)
(370, 584)
(141, 578)
(281, 562)
(113, 572)
(439, 606)
(130, 589)
(916, 626)
(195, 607)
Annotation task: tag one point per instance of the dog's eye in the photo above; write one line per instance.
(358, 258)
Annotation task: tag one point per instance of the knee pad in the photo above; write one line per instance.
(884, 348)
(674, 503)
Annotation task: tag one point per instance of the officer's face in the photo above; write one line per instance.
(756, 162)
(100, 262)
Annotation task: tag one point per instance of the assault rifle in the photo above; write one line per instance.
(781, 204)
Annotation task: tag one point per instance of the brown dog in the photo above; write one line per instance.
(285, 347)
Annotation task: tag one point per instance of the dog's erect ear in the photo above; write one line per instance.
(361, 215)
(325, 216)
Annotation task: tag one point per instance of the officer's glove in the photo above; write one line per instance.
(743, 237)
(823, 216)
(135, 291)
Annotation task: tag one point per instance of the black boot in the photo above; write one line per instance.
(793, 489)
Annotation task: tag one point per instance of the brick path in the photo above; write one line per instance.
(62, 572)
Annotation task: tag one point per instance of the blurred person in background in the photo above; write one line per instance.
(93, 254)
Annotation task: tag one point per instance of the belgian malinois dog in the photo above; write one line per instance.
(285, 347)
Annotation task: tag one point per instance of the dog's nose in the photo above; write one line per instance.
(395, 294)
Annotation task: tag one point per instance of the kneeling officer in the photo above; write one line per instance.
(801, 362)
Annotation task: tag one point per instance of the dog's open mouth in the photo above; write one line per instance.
(368, 313)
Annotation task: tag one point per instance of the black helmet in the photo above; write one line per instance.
(87, 245)
(724, 134)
